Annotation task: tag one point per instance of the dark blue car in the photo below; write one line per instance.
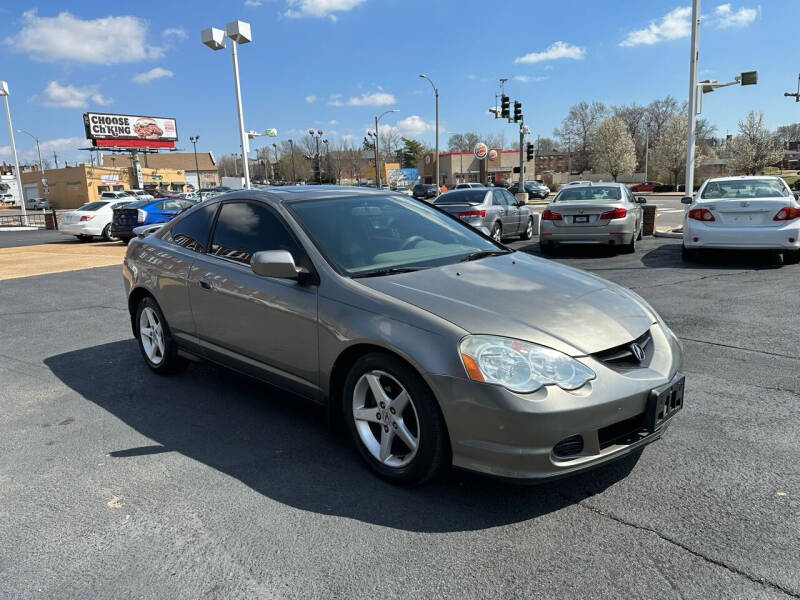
(145, 212)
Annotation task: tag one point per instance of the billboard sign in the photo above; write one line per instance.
(130, 131)
(481, 150)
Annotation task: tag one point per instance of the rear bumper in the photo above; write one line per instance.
(617, 232)
(743, 238)
(81, 228)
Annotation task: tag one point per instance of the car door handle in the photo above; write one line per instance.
(205, 284)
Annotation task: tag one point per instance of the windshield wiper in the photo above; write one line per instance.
(390, 271)
(484, 253)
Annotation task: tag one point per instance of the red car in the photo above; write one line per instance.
(647, 186)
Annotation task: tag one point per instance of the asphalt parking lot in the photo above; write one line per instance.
(117, 483)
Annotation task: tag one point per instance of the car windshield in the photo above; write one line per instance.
(735, 189)
(467, 195)
(594, 193)
(91, 206)
(368, 235)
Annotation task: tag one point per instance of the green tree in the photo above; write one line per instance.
(412, 151)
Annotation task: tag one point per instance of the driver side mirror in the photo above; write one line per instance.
(641, 200)
(686, 200)
(276, 263)
(521, 203)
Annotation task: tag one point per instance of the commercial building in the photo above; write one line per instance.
(71, 187)
(458, 167)
(205, 170)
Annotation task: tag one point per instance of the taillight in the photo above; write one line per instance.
(472, 213)
(701, 214)
(87, 217)
(787, 213)
(617, 213)
(549, 215)
(141, 215)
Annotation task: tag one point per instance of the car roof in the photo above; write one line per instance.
(742, 178)
(300, 193)
(597, 183)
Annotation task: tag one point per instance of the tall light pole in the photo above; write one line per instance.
(193, 139)
(692, 107)
(45, 189)
(316, 135)
(436, 96)
(239, 33)
(274, 170)
(294, 174)
(4, 94)
(377, 146)
(327, 160)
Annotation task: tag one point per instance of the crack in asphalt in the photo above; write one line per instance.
(58, 310)
(759, 580)
(721, 345)
(693, 280)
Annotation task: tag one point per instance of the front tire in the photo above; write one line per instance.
(629, 248)
(158, 349)
(106, 235)
(528, 233)
(791, 257)
(394, 420)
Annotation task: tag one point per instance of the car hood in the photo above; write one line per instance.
(524, 297)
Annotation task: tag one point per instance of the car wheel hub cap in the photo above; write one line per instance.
(386, 419)
(151, 334)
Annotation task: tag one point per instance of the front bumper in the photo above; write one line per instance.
(741, 238)
(497, 432)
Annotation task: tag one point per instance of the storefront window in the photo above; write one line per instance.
(102, 188)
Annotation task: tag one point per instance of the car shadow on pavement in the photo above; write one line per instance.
(280, 446)
(669, 256)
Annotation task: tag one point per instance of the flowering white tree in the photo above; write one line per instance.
(755, 147)
(669, 151)
(614, 150)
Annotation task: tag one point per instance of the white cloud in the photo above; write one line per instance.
(472, 76)
(66, 148)
(675, 24)
(367, 99)
(555, 51)
(311, 99)
(176, 32)
(414, 125)
(529, 78)
(154, 73)
(728, 18)
(252, 3)
(333, 122)
(56, 95)
(347, 137)
(106, 40)
(298, 9)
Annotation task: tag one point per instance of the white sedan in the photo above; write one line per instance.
(743, 213)
(92, 219)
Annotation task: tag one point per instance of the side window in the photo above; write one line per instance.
(193, 230)
(172, 205)
(499, 199)
(509, 197)
(244, 228)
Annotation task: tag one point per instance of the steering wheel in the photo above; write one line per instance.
(412, 241)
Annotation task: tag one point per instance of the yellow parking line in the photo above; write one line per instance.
(27, 261)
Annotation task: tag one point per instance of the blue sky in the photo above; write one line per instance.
(334, 64)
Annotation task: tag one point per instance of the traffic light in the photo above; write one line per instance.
(505, 105)
(529, 151)
(517, 111)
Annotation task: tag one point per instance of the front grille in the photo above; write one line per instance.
(623, 355)
(623, 432)
(568, 447)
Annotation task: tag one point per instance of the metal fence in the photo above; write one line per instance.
(35, 219)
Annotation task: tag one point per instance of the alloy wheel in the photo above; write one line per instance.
(497, 233)
(386, 419)
(151, 334)
(529, 229)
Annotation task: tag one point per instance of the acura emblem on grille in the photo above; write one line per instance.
(638, 351)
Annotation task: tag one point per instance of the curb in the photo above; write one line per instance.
(668, 234)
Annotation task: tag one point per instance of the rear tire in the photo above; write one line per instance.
(106, 235)
(528, 233)
(791, 257)
(629, 248)
(158, 349)
(497, 232)
(420, 419)
(688, 254)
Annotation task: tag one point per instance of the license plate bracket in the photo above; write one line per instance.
(664, 402)
(580, 219)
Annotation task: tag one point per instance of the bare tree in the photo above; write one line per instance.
(614, 150)
(659, 113)
(546, 145)
(788, 133)
(462, 142)
(755, 147)
(669, 151)
(579, 128)
(390, 141)
(496, 140)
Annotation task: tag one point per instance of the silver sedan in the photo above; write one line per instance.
(433, 344)
(593, 213)
(492, 210)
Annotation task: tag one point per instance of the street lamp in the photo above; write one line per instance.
(294, 174)
(4, 94)
(274, 173)
(193, 139)
(436, 95)
(696, 91)
(45, 189)
(317, 135)
(239, 33)
(377, 147)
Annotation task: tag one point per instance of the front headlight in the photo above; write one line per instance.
(520, 366)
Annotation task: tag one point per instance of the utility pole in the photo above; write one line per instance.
(646, 151)
(193, 139)
(294, 173)
(692, 108)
